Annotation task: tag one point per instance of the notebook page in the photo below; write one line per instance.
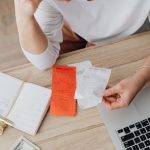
(30, 108)
(9, 87)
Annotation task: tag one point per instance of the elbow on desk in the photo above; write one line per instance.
(42, 61)
(43, 67)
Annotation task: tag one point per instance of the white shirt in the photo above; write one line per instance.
(95, 21)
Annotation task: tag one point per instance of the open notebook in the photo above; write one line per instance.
(23, 103)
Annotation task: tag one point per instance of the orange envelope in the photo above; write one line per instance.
(63, 90)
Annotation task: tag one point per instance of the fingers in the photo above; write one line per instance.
(110, 91)
(112, 105)
(119, 96)
(107, 101)
(115, 103)
(110, 99)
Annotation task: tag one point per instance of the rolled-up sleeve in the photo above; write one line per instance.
(51, 21)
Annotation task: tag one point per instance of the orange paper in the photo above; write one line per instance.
(63, 90)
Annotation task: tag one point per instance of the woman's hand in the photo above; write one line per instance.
(26, 8)
(122, 94)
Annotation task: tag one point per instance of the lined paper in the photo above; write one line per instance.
(9, 87)
(30, 108)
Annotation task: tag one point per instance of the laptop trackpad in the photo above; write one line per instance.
(142, 102)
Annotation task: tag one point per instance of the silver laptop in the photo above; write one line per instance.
(129, 128)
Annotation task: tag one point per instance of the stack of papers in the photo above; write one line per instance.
(91, 81)
(82, 82)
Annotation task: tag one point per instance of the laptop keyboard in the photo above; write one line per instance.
(136, 136)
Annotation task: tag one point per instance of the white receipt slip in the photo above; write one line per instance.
(91, 82)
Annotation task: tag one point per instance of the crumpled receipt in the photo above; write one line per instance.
(91, 82)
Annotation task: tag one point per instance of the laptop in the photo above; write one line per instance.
(129, 128)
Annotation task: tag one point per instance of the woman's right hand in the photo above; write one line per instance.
(26, 8)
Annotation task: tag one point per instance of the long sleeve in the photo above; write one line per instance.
(51, 21)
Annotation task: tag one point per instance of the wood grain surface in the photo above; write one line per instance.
(86, 131)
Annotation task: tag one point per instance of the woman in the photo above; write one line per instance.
(44, 25)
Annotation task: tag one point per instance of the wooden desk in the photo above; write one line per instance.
(86, 131)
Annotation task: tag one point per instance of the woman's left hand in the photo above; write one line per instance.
(122, 94)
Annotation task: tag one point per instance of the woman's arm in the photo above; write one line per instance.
(122, 94)
(28, 28)
(39, 26)
(144, 71)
